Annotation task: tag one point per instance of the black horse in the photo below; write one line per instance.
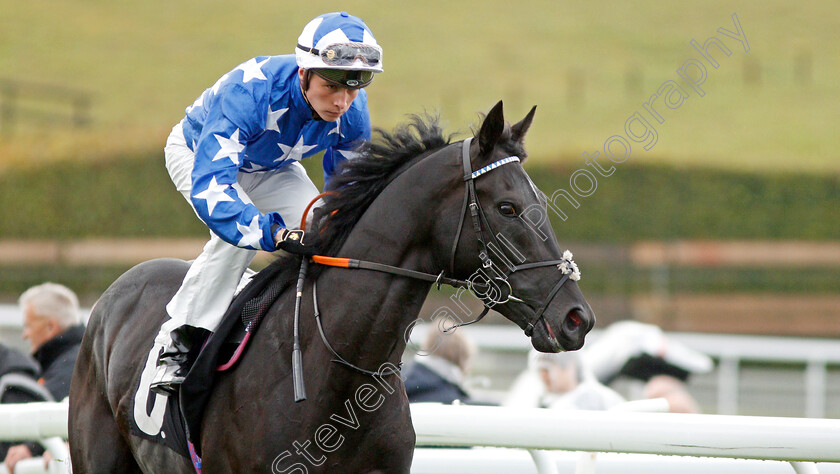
(451, 212)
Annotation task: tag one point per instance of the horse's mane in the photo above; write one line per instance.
(358, 182)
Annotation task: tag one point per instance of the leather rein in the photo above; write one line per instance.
(481, 227)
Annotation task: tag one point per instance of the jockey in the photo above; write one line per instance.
(235, 158)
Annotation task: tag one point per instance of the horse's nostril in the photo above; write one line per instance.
(573, 319)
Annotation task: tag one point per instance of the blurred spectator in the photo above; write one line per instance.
(674, 391)
(18, 382)
(438, 371)
(52, 325)
(568, 384)
(642, 352)
(18, 377)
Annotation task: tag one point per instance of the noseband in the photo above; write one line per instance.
(480, 223)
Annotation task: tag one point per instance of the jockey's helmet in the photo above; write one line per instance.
(341, 49)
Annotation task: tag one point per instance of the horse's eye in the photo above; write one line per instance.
(507, 209)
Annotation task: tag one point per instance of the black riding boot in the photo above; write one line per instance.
(177, 358)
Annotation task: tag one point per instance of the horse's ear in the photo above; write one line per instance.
(491, 129)
(518, 131)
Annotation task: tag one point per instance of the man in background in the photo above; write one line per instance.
(438, 371)
(52, 325)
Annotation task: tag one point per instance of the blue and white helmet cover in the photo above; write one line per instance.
(333, 28)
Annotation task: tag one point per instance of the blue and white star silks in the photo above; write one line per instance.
(255, 119)
(294, 152)
(214, 194)
(217, 85)
(251, 233)
(251, 69)
(229, 147)
(273, 117)
(337, 128)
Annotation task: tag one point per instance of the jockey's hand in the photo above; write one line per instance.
(292, 241)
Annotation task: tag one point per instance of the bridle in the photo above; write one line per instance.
(482, 225)
(481, 228)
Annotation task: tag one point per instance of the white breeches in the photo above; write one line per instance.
(212, 280)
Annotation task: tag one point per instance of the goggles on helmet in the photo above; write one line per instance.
(346, 54)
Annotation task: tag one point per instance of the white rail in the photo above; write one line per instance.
(800, 441)
(37, 420)
(506, 461)
(748, 437)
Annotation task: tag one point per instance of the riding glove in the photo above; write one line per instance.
(292, 241)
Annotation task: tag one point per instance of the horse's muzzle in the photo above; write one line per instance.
(553, 334)
(577, 323)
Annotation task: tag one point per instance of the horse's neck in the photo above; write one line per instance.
(395, 231)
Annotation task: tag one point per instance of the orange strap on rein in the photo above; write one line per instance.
(331, 261)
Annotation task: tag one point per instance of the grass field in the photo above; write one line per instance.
(588, 68)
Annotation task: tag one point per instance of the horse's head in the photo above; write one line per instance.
(506, 244)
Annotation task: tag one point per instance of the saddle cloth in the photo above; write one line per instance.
(173, 421)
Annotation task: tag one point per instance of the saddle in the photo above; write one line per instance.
(180, 425)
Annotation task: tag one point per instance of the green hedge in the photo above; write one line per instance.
(133, 197)
(128, 197)
(662, 203)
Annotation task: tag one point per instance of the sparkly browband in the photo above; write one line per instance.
(492, 166)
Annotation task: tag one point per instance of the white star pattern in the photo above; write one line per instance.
(214, 194)
(251, 234)
(251, 70)
(230, 147)
(218, 83)
(236, 130)
(337, 128)
(349, 154)
(273, 117)
(294, 152)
